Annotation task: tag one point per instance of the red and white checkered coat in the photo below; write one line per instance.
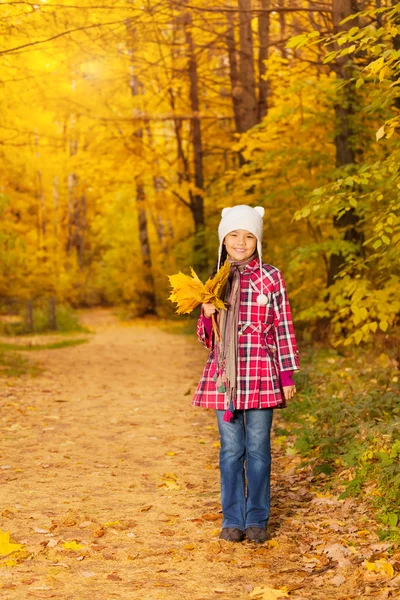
(266, 344)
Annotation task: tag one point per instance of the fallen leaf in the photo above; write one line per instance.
(170, 484)
(72, 546)
(145, 508)
(267, 593)
(189, 546)
(85, 524)
(7, 547)
(112, 524)
(114, 577)
(380, 565)
(338, 553)
(99, 533)
(39, 530)
(211, 516)
(338, 580)
(53, 571)
(363, 533)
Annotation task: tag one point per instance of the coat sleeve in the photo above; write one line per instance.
(288, 355)
(204, 330)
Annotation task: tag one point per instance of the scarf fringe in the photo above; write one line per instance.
(228, 414)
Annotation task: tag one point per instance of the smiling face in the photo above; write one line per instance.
(240, 244)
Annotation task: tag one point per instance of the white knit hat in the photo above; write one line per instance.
(250, 219)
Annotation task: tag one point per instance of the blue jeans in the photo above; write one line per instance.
(245, 451)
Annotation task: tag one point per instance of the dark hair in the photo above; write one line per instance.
(224, 256)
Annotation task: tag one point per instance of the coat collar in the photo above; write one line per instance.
(252, 266)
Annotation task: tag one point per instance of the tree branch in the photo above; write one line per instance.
(58, 35)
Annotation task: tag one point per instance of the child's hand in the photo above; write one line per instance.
(289, 391)
(208, 309)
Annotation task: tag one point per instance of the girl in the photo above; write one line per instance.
(248, 371)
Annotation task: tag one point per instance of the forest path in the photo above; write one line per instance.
(104, 448)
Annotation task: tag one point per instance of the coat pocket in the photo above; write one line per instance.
(271, 350)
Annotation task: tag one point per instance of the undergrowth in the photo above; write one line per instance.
(346, 418)
(67, 321)
(15, 365)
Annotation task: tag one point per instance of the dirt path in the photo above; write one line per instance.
(105, 449)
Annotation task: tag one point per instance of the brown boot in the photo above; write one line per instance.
(231, 534)
(258, 535)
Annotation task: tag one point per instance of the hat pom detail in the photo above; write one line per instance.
(262, 300)
(225, 211)
(260, 210)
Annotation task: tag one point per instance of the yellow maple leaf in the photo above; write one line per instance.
(267, 593)
(7, 547)
(386, 566)
(188, 292)
(72, 545)
(380, 565)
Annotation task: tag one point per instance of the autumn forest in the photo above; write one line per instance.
(125, 128)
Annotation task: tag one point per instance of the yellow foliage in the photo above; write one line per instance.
(72, 546)
(188, 292)
(380, 565)
(7, 547)
(267, 593)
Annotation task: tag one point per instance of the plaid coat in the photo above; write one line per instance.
(266, 345)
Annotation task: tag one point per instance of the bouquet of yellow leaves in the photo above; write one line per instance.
(188, 292)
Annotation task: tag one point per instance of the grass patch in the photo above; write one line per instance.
(346, 418)
(179, 326)
(15, 365)
(50, 346)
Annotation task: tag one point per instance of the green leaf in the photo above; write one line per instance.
(359, 82)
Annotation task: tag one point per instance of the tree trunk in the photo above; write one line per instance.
(82, 231)
(233, 70)
(72, 184)
(264, 37)
(148, 300)
(344, 133)
(56, 201)
(29, 315)
(196, 197)
(247, 109)
(282, 23)
(248, 99)
(52, 314)
(396, 46)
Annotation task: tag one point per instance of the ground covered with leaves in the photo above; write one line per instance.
(109, 487)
